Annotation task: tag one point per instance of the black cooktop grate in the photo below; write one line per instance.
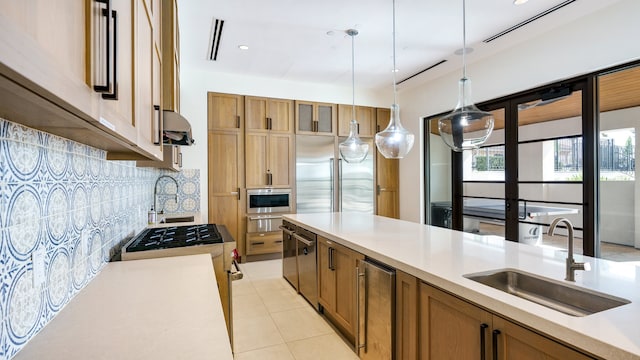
(175, 236)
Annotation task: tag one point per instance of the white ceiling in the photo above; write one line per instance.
(288, 39)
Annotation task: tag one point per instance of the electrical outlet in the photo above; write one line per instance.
(37, 258)
(84, 242)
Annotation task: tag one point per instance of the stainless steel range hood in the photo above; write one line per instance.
(177, 130)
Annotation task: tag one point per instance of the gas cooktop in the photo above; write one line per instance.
(175, 236)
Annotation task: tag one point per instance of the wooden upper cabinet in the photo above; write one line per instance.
(267, 114)
(114, 69)
(313, 118)
(170, 56)
(147, 77)
(226, 112)
(387, 176)
(43, 47)
(365, 116)
(269, 160)
(84, 59)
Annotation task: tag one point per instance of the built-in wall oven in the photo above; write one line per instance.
(264, 201)
(264, 218)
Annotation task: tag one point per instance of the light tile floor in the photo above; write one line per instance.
(271, 321)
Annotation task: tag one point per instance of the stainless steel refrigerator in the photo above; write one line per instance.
(326, 183)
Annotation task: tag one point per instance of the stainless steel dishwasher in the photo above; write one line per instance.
(375, 310)
(307, 265)
(289, 254)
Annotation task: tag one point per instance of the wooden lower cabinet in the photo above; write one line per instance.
(451, 328)
(337, 284)
(407, 320)
(264, 243)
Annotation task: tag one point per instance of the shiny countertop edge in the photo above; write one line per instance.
(602, 334)
(79, 332)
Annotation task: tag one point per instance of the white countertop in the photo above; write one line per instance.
(164, 308)
(441, 257)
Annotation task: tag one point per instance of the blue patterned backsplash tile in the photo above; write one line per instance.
(65, 200)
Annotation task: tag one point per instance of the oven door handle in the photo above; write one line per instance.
(303, 240)
(264, 217)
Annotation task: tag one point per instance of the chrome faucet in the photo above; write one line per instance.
(571, 266)
(155, 193)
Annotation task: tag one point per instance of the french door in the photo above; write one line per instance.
(536, 166)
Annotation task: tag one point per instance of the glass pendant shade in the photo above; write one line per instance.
(466, 127)
(353, 150)
(395, 141)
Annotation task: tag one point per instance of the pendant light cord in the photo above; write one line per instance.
(353, 76)
(394, 70)
(464, 40)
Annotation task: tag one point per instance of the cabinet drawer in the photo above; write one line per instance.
(264, 243)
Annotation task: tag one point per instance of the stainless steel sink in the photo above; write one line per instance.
(553, 294)
(168, 220)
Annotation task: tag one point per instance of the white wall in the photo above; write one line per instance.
(193, 96)
(596, 41)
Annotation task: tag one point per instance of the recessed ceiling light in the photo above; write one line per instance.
(519, 2)
(243, 47)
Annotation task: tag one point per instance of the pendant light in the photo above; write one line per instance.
(353, 150)
(395, 141)
(466, 127)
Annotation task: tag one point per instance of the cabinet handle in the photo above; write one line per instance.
(114, 94)
(105, 12)
(483, 328)
(238, 194)
(257, 243)
(330, 252)
(315, 126)
(377, 128)
(269, 124)
(238, 121)
(180, 161)
(358, 128)
(157, 135)
(278, 241)
(269, 178)
(378, 189)
(494, 343)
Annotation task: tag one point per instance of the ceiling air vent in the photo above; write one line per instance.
(216, 34)
(422, 71)
(529, 20)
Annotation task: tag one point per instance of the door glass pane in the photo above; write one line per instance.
(483, 183)
(619, 214)
(325, 117)
(550, 151)
(439, 179)
(535, 214)
(305, 117)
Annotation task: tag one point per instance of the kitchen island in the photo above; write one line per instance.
(164, 308)
(441, 257)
